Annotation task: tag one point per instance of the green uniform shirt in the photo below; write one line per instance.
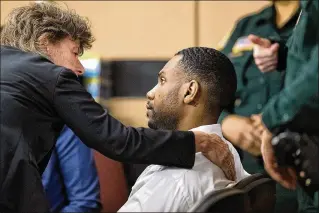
(254, 88)
(300, 94)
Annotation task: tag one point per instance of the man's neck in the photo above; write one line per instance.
(193, 120)
(284, 11)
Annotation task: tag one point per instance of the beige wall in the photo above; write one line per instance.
(7, 6)
(153, 29)
(130, 111)
(218, 17)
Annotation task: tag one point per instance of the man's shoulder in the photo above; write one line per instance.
(172, 175)
(165, 172)
(187, 180)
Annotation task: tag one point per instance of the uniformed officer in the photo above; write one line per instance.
(256, 88)
(297, 105)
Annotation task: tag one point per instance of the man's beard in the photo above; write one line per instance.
(163, 121)
(167, 117)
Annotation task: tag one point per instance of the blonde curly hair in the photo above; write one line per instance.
(25, 25)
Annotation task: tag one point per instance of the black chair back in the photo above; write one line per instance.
(261, 191)
(228, 200)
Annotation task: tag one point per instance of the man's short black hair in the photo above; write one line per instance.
(215, 70)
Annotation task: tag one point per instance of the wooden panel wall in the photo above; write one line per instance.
(218, 18)
(153, 29)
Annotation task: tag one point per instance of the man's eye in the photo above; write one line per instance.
(162, 80)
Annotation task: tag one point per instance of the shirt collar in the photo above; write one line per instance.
(268, 15)
(211, 129)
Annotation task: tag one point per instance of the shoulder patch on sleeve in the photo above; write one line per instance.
(242, 44)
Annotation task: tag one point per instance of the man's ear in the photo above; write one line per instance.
(191, 92)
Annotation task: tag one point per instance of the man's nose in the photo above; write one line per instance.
(150, 94)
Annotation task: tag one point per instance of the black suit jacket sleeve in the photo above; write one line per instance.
(100, 131)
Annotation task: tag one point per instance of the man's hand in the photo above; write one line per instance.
(217, 151)
(265, 53)
(285, 176)
(241, 132)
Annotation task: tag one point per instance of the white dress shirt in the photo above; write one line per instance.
(170, 189)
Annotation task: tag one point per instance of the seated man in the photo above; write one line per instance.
(192, 90)
(70, 179)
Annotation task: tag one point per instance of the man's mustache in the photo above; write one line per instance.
(149, 106)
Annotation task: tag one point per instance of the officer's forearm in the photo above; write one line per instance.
(282, 107)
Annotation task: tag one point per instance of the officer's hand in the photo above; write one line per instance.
(241, 132)
(258, 124)
(217, 151)
(265, 53)
(285, 176)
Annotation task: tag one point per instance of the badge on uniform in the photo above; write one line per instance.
(242, 44)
